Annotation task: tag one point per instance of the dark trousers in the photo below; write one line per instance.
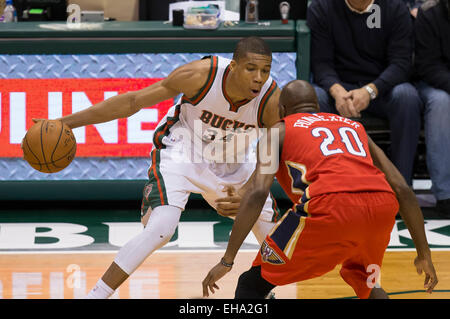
(251, 285)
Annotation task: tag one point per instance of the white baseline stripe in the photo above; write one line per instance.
(65, 252)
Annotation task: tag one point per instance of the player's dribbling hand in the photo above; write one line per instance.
(426, 265)
(209, 283)
(229, 206)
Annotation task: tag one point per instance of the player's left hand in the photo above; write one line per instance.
(229, 206)
(209, 283)
(426, 265)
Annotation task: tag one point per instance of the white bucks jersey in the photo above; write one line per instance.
(210, 120)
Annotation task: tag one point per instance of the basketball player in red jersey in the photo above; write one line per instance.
(344, 206)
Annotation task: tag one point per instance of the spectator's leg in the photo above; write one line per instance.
(437, 138)
(402, 107)
(326, 102)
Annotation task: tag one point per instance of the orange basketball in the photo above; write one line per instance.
(49, 146)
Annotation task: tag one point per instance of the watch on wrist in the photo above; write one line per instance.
(371, 91)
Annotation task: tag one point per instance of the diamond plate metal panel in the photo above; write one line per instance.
(119, 65)
(106, 66)
(79, 169)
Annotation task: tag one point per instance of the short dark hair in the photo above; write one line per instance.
(251, 45)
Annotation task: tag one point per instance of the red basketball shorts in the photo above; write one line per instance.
(351, 229)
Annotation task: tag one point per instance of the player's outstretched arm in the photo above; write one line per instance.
(187, 79)
(252, 203)
(249, 210)
(410, 212)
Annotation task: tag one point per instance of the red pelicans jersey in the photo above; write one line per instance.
(326, 153)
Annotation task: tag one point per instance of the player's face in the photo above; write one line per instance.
(252, 72)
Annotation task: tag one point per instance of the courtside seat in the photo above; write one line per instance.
(378, 130)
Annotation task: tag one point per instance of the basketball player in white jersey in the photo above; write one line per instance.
(218, 96)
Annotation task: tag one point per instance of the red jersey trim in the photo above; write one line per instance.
(205, 89)
(262, 104)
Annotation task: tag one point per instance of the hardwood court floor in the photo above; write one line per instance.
(178, 275)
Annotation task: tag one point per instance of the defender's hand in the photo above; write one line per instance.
(426, 265)
(217, 272)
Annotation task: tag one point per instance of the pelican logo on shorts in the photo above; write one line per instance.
(268, 255)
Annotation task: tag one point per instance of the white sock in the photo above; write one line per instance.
(100, 291)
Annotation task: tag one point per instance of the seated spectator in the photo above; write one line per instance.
(432, 61)
(361, 61)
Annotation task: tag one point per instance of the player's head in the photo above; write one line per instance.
(298, 97)
(252, 60)
(251, 45)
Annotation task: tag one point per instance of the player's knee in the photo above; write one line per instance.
(162, 222)
(160, 232)
(166, 236)
(252, 286)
